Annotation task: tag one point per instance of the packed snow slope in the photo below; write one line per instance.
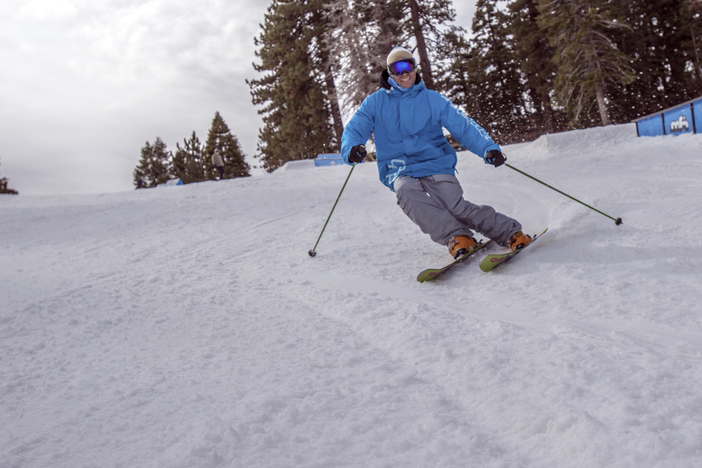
(188, 327)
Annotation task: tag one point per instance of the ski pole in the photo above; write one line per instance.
(312, 252)
(617, 221)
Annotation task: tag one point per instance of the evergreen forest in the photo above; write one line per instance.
(191, 162)
(525, 67)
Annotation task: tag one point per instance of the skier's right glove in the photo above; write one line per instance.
(357, 154)
(496, 158)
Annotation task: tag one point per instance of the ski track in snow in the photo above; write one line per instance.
(188, 327)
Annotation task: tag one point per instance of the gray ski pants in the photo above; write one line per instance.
(437, 206)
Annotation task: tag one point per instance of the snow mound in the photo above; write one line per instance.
(296, 166)
(562, 144)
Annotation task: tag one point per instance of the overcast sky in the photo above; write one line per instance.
(85, 83)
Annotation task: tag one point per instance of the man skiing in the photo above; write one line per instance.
(417, 162)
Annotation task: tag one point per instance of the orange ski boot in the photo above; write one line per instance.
(519, 240)
(461, 245)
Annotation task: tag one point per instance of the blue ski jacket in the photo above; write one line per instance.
(409, 138)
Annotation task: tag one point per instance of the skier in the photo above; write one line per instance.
(218, 163)
(417, 162)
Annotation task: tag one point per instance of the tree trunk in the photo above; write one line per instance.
(332, 95)
(334, 104)
(421, 46)
(599, 92)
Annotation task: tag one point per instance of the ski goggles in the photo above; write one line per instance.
(403, 66)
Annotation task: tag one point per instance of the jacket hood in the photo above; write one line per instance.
(384, 83)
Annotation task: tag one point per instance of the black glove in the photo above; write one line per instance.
(496, 158)
(357, 154)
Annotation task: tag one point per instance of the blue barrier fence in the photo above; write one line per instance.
(328, 160)
(678, 120)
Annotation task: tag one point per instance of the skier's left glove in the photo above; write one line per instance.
(496, 158)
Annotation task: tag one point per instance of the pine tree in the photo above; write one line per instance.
(363, 32)
(154, 165)
(293, 90)
(360, 36)
(534, 55)
(425, 21)
(457, 77)
(321, 52)
(4, 189)
(661, 40)
(495, 73)
(586, 57)
(189, 161)
(220, 137)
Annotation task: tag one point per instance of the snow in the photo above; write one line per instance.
(188, 327)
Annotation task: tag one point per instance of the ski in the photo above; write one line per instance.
(491, 261)
(432, 273)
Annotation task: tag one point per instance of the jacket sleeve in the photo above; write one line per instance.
(359, 129)
(466, 130)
